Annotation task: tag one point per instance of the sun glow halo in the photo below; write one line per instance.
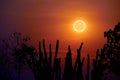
(79, 26)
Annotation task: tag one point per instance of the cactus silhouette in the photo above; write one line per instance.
(68, 69)
(88, 67)
(45, 66)
(78, 65)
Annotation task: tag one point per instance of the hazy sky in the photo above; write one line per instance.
(53, 19)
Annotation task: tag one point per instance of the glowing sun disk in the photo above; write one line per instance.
(79, 26)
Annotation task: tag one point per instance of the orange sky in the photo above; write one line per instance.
(53, 19)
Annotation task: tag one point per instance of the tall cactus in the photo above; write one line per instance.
(88, 67)
(56, 63)
(45, 52)
(40, 52)
(68, 69)
(50, 55)
(79, 64)
(98, 66)
(57, 47)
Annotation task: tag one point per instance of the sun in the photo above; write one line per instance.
(79, 26)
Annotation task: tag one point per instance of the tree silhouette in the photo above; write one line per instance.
(45, 66)
(109, 56)
(112, 49)
(20, 51)
(5, 67)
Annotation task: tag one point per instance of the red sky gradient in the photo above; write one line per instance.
(53, 19)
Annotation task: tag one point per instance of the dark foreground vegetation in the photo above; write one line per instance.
(46, 65)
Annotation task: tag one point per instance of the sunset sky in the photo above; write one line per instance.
(53, 19)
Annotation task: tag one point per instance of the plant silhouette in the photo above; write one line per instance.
(68, 69)
(45, 66)
(5, 68)
(108, 58)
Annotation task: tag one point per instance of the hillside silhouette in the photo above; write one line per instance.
(16, 54)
